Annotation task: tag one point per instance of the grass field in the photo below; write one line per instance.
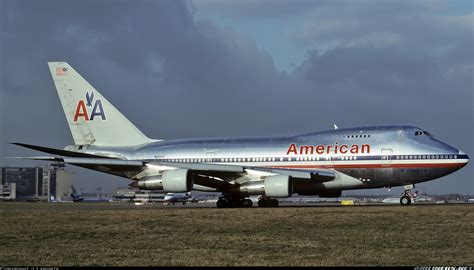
(124, 235)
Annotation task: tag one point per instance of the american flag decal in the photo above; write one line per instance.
(61, 71)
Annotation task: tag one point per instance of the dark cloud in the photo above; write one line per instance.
(176, 77)
(258, 9)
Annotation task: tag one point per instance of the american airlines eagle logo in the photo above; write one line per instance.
(83, 109)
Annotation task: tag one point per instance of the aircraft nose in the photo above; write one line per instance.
(463, 156)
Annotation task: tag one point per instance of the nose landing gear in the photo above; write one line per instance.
(407, 196)
(405, 200)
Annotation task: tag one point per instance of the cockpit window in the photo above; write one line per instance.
(422, 132)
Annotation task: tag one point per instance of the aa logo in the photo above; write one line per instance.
(84, 109)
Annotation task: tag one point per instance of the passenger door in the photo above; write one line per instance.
(386, 156)
(386, 174)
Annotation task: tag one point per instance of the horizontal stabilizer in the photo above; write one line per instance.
(103, 162)
(40, 158)
(90, 161)
(54, 151)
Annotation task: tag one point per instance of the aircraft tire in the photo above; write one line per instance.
(220, 204)
(405, 200)
(247, 203)
(268, 203)
(273, 203)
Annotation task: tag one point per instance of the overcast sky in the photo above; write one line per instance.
(212, 68)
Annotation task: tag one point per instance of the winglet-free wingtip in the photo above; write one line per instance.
(17, 143)
(14, 143)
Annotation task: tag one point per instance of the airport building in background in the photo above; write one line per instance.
(48, 183)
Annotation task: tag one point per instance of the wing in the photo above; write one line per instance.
(216, 170)
(213, 175)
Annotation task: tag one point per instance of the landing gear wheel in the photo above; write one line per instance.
(273, 203)
(268, 202)
(221, 204)
(405, 200)
(228, 200)
(247, 203)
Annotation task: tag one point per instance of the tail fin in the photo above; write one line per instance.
(74, 191)
(92, 119)
(75, 196)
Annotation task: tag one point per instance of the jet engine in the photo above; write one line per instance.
(152, 183)
(179, 180)
(276, 186)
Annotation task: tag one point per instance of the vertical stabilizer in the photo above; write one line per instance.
(92, 119)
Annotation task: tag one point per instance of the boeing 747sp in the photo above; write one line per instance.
(320, 163)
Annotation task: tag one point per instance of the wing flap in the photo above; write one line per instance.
(316, 176)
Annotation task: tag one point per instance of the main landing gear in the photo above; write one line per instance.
(263, 201)
(229, 201)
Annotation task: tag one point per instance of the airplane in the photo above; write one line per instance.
(178, 198)
(318, 163)
(391, 200)
(167, 198)
(76, 197)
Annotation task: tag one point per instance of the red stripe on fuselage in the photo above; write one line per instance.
(342, 166)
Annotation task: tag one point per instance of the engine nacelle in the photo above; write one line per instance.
(153, 183)
(179, 180)
(278, 186)
(254, 187)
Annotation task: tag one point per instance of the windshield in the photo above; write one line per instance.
(422, 132)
